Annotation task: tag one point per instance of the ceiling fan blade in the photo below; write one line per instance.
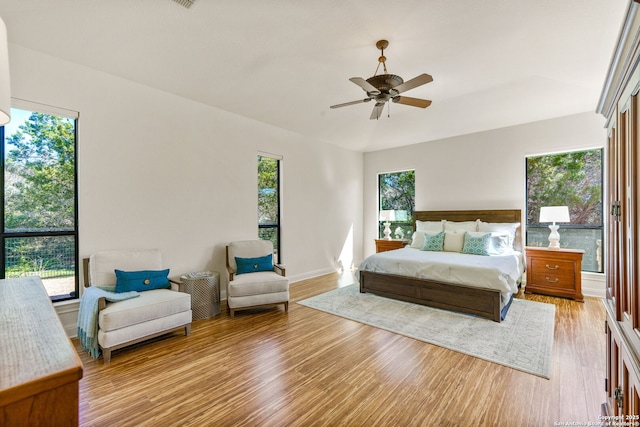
(414, 102)
(422, 79)
(351, 103)
(377, 111)
(365, 85)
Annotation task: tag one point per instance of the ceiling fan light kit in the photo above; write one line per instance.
(386, 87)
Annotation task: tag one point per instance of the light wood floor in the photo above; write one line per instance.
(309, 368)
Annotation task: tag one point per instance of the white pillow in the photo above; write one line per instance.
(430, 226)
(505, 227)
(453, 241)
(499, 243)
(417, 240)
(461, 226)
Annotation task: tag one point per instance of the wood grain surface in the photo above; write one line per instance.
(310, 368)
(39, 368)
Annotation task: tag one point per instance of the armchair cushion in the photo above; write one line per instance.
(144, 280)
(260, 283)
(253, 265)
(148, 306)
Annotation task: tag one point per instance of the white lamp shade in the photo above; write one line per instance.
(387, 215)
(554, 214)
(5, 86)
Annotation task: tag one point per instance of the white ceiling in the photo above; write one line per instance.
(495, 63)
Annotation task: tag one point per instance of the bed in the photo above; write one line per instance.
(471, 298)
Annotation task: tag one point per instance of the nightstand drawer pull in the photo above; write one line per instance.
(551, 281)
(553, 268)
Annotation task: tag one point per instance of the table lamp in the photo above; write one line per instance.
(554, 214)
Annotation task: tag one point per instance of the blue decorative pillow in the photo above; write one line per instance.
(144, 280)
(251, 265)
(477, 245)
(433, 242)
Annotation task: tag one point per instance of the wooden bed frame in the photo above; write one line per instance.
(454, 297)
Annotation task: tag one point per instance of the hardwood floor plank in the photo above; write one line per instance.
(309, 368)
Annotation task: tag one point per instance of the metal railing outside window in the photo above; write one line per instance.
(590, 239)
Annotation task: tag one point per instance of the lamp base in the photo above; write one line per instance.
(387, 231)
(554, 237)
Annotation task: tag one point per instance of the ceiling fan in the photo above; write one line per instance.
(382, 88)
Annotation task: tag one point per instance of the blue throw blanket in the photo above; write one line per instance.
(88, 316)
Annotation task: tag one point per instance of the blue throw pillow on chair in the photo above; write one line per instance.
(144, 280)
(251, 265)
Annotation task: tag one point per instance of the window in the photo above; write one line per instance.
(568, 179)
(396, 192)
(39, 209)
(269, 203)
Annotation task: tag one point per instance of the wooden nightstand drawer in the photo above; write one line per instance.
(383, 245)
(554, 266)
(563, 281)
(554, 272)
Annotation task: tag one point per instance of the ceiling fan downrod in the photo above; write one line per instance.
(382, 45)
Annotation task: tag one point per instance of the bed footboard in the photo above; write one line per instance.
(464, 299)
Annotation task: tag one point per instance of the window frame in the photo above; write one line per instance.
(410, 218)
(4, 235)
(278, 225)
(600, 227)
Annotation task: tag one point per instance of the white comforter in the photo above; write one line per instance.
(493, 272)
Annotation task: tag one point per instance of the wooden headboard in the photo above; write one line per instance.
(496, 215)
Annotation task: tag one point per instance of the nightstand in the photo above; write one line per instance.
(383, 245)
(555, 272)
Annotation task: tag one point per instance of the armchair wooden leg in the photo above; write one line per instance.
(232, 312)
(106, 355)
(286, 306)
(187, 329)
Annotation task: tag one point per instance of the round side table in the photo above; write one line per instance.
(204, 289)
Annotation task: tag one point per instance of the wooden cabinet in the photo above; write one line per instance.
(622, 382)
(554, 272)
(619, 104)
(383, 245)
(39, 367)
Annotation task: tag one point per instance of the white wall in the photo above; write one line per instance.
(484, 170)
(157, 170)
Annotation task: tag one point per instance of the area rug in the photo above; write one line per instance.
(523, 341)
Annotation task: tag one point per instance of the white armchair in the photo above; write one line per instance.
(151, 314)
(253, 279)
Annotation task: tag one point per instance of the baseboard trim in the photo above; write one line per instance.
(68, 314)
(593, 284)
(311, 274)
